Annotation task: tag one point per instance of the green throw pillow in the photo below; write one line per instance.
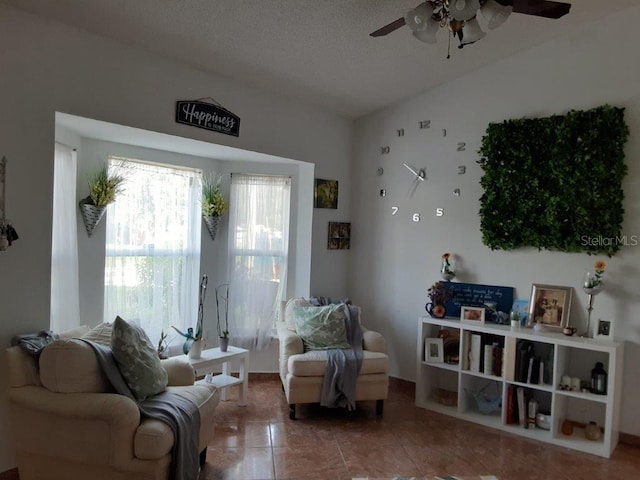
(137, 360)
(321, 328)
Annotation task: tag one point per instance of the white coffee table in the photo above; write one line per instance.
(213, 357)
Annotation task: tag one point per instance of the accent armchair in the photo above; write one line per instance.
(302, 372)
(67, 423)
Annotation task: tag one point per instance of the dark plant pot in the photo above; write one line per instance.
(212, 224)
(91, 214)
(224, 344)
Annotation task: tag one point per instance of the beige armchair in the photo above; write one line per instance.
(302, 373)
(67, 424)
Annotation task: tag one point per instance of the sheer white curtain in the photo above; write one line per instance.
(152, 263)
(65, 299)
(258, 250)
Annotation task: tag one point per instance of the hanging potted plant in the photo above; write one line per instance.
(103, 188)
(213, 203)
(222, 297)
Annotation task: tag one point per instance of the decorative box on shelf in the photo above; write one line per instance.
(506, 377)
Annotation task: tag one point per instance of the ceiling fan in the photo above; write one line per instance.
(460, 17)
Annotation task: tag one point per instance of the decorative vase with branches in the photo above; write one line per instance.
(222, 300)
(213, 202)
(193, 341)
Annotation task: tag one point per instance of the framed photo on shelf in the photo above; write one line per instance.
(604, 330)
(549, 306)
(434, 350)
(472, 314)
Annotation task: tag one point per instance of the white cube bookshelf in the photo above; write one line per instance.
(572, 356)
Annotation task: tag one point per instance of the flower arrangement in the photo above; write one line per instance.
(597, 278)
(438, 294)
(104, 186)
(213, 202)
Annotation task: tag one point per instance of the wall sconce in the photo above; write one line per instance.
(8, 234)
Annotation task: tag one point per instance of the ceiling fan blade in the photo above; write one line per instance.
(541, 8)
(387, 29)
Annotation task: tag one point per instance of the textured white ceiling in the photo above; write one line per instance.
(317, 51)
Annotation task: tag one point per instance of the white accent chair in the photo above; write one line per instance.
(302, 373)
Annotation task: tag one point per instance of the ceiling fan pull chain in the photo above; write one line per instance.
(449, 47)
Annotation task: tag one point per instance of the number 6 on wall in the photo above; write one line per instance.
(416, 217)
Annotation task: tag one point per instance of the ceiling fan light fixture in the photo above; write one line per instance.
(418, 18)
(463, 9)
(428, 35)
(494, 13)
(471, 32)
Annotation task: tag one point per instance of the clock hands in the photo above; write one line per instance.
(419, 173)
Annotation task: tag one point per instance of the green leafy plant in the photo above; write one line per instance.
(213, 202)
(555, 183)
(104, 186)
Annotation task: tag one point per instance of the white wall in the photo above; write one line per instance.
(395, 260)
(48, 67)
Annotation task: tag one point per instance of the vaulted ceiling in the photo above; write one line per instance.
(316, 51)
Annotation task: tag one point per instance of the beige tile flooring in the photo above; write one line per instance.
(260, 442)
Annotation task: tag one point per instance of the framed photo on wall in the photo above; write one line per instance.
(549, 306)
(325, 194)
(339, 237)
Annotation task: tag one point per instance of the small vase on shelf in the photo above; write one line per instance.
(195, 351)
(447, 270)
(593, 284)
(224, 344)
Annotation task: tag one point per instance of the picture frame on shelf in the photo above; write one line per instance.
(434, 350)
(604, 330)
(521, 305)
(550, 306)
(472, 315)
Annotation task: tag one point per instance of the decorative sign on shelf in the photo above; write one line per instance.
(209, 116)
(475, 295)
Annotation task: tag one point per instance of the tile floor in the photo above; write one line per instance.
(260, 442)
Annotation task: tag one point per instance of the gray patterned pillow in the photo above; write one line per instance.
(137, 359)
(321, 328)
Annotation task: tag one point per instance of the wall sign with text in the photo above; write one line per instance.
(208, 116)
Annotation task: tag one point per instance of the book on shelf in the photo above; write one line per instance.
(475, 352)
(522, 412)
(466, 339)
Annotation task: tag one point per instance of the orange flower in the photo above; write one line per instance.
(600, 265)
(439, 311)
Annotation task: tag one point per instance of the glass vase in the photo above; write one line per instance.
(447, 270)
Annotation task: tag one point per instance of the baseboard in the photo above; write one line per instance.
(628, 439)
(10, 475)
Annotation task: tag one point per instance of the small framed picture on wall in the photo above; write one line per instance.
(339, 237)
(326, 194)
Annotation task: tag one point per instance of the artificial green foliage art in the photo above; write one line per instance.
(555, 183)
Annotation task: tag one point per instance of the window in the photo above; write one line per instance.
(258, 249)
(152, 263)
